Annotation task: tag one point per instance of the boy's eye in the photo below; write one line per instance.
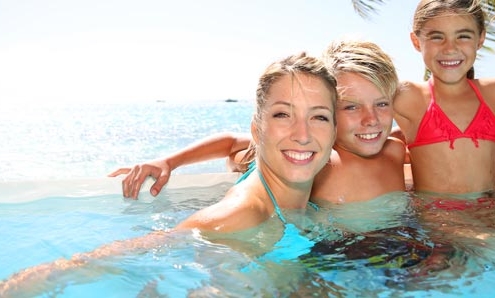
(322, 118)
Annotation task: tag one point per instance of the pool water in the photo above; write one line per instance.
(44, 221)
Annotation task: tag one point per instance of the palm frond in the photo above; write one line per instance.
(365, 8)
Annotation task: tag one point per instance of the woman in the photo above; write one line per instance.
(293, 129)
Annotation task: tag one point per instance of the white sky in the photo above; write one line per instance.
(147, 50)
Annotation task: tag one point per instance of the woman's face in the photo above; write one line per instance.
(364, 116)
(297, 131)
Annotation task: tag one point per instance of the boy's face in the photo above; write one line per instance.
(364, 116)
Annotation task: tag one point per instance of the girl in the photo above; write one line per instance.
(448, 122)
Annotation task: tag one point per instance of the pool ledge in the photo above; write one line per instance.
(25, 191)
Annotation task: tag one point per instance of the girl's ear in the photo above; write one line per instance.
(482, 39)
(415, 41)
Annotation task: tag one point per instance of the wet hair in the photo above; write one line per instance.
(365, 59)
(293, 66)
(428, 9)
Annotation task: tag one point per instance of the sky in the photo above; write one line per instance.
(149, 50)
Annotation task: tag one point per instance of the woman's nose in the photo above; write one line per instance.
(301, 132)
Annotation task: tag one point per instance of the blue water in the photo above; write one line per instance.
(68, 142)
(60, 141)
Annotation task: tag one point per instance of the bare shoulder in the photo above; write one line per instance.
(486, 82)
(395, 148)
(397, 133)
(487, 89)
(239, 209)
(409, 88)
(406, 101)
(395, 142)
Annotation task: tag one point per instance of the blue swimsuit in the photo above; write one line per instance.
(292, 244)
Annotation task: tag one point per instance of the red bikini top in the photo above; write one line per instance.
(436, 127)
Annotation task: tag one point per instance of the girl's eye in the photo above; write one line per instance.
(436, 37)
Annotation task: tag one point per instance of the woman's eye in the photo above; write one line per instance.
(280, 115)
(383, 104)
(350, 107)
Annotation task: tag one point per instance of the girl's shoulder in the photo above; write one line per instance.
(487, 88)
(410, 87)
(411, 97)
(486, 84)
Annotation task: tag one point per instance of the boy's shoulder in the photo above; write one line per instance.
(394, 148)
(395, 141)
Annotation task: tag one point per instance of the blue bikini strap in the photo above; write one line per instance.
(272, 197)
(250, 169)
(313, 205)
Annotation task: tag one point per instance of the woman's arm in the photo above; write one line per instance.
(239, 210)
(34, 281)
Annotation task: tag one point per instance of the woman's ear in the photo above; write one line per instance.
(415, 41)
(254, 132)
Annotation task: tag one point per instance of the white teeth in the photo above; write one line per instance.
(368, 136)
(299, 155)
(450, 63)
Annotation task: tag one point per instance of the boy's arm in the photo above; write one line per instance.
(216, 146)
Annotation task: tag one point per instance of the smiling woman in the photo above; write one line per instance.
(293, 128)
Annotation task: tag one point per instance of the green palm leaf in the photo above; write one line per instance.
(365, 8)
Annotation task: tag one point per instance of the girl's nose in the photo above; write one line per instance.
(450, 46)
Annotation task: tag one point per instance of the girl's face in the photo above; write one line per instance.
(449, 44)
(364, 116)
(296, 132)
